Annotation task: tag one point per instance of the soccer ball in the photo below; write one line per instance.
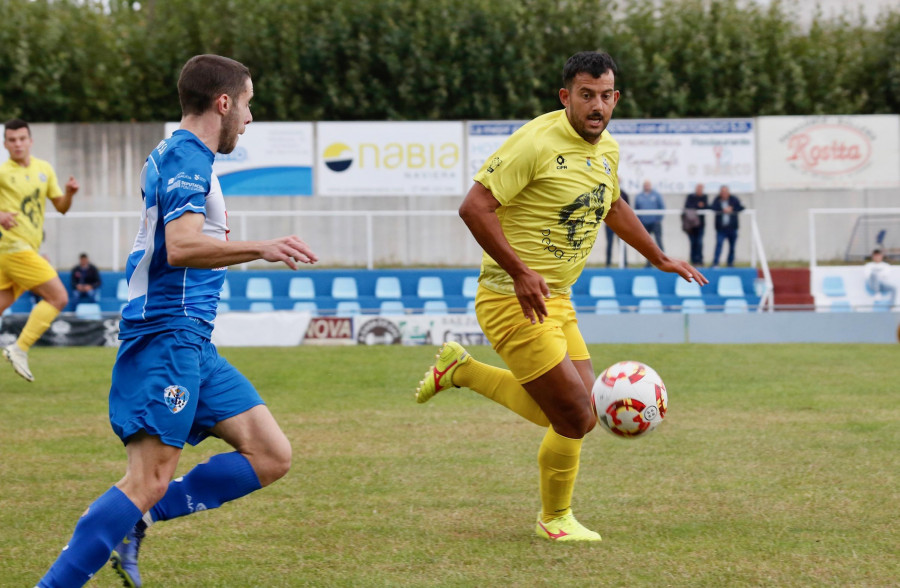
(629, 399)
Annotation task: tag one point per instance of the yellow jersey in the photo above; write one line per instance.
(554, 190)
(25, 190)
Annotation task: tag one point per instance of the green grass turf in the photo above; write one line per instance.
(776, 466)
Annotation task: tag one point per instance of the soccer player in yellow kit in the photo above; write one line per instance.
(25, 183)
(536, 208)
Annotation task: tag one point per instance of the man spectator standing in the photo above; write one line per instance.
(650, 199)
(86, 281)
(693, 222)
(726, 206)
(611, 236)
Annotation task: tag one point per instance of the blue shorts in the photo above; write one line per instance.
(175, 386)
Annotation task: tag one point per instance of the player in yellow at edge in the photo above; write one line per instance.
(26, 182)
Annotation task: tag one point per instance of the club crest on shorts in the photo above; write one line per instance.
(176, 398)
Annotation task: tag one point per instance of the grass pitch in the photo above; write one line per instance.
(777, 466)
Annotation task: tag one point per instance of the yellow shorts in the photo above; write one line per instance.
(24, 270)
(529, 350)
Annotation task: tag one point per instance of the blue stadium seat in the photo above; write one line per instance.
(344, 288)
(685, 289)
(693, 306)
(644, 287)
(392, 308)
(261, 306)
(881, 305)
(833, 286)
(470, 307)
(735, 305)
(602, 287)
(88, 311)
(309, 306)
(348, 308)
(122, 290)
(730, 287)
(435, 307)
(223, 307)
(607, 306)
(259, 289)
(388, 287)
(650, 306)
(430, 287)
(840, 306)
(301, 288)
(470, 286)
(225, 294)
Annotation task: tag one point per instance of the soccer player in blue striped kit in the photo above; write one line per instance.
(169, 385)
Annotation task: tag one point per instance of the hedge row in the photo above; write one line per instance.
(87, 61)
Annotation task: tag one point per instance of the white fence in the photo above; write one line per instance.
(370, 238)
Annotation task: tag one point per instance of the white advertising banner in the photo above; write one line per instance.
(484, 138)
(389, 158)
(271, 159)
(828, 152)
(418, 329)
(253, 329)
(675, 155)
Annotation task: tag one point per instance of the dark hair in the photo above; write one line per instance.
(595, 63)
(206, 77)
(15, 124)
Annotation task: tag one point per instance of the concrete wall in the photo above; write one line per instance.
(107, 160)
(753, 327)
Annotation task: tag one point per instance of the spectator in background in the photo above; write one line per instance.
(726, 206)
(650, 199)
(85, 281)
(876, 272)
(611, 236)
(694, 223)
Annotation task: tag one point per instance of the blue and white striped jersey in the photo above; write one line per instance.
(177, 178)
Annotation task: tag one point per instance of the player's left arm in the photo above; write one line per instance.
(63, 203)
(625, 223)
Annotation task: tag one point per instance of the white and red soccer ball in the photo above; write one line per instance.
(630, 399)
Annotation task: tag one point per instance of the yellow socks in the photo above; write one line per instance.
(558, 460)
(500, 386)
(38, 322)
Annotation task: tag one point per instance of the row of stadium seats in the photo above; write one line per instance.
(404, 291)
(835, 295)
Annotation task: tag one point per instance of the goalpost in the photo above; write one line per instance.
(848, 235)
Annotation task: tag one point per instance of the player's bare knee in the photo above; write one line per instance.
(578, 422)
(281, 461)
(62, 302)
(157, 489)
(272, 464)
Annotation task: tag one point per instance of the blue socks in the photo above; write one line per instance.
(209, 485)
(98, 531)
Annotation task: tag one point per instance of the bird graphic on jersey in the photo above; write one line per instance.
(575, 215)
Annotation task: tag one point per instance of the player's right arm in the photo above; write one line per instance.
(187, 246)
(478, 211)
